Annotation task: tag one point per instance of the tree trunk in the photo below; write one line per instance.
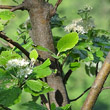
(40, 15)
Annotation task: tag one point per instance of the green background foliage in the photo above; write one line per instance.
(79, 80)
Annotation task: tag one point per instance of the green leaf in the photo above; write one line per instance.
(33, 54)
(4, 75)
(6, 15)
(43, 70)
(34, 85)
(26, 46)
(74, 65)
(90, 69)
(34, 91)
(55, 56)
(99, 53)
(1, 27)
(90, 57)
(41, 73)
(56, 21)
(9, 97)
(15, 1)
(67, 42)
(6, 79)
(66, 107)
(34, 106)
(53, 106)
(45, 64)
(83, 45)
(8, 55)
(46, 88)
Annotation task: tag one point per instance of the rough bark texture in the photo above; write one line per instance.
(97, 85)
(40, 15)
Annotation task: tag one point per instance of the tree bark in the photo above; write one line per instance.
(97, 85)
(40, 14)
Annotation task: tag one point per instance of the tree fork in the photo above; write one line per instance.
(40, 15)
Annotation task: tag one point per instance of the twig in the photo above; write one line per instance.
(96, 72)
(17, 45)
(56, 6)
(19, 7)
(66, 77)
(80, 95)
(13, 8)
(104, 88)
(65, 59)
(6, 7)
(44, 100)
(5, 108)
(14, 43)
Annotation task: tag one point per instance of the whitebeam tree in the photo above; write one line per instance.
(43, 70)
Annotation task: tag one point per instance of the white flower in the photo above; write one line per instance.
(24, 72)
(22, 66)
(17, 63)
(80, 26)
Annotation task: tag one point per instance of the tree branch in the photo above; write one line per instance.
(6, 7)
(66, 77)
(104, 88)
(56, 6)
(13, 8)
(80, 95)
(4, 108)
(44, 100)
(97, 85)
(14, 43)
(17, 45)
(19, 7)
(96, 72)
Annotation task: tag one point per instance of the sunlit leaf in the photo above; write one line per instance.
(8, 55)
(42, 88)
(33, 54)
(67, 42)
(99, 53)
(43, 70)
(1, 27)
(6, 15)
(74, 65)
(34, 85)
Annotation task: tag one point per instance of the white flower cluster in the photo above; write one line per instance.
(80, 26)
(22, 66)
